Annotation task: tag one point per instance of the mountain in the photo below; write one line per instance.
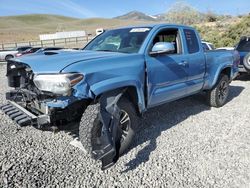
(136, 15)
(179, 12)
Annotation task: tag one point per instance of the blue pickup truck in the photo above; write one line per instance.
(119, 75)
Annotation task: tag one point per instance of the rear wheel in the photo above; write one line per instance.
(90, 126)
(8, 57)
(217, 96)
(246, 62)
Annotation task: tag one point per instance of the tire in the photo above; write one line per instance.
(246, 62)
(217, 96)
(8, 57)
(90, 125)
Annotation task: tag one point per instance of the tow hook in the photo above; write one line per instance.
(108, 150)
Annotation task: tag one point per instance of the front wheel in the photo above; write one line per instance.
(217, 96)
(90, 125)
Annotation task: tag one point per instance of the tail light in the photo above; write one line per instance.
(18, 54)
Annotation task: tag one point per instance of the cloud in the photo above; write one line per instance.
(62, 7)
(70, 6)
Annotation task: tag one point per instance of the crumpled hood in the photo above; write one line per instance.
(55, 61)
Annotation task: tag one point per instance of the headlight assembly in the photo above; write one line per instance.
(59, 84)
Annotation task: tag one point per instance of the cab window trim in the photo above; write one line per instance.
(180, 41)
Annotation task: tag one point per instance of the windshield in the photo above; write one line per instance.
(128, 40)
(244, 45)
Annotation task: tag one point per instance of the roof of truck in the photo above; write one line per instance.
(157, 26)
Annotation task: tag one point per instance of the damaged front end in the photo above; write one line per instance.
(47, 101)
(41, 100)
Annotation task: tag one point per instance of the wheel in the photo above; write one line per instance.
(217, 96)
(8, 57)
(90, 125)
(246, 62)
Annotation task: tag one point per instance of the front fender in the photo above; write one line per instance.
(120, 82)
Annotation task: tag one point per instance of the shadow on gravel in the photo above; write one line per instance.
(160, 119)
(166, 116)
(243, 77)
(235, 91)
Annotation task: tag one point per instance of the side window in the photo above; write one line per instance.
(192, 41)
(169, 35)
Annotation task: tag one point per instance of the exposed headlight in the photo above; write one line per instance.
(59, 84)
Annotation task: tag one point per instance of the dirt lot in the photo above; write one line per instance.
(181, 144)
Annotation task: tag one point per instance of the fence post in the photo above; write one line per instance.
(15, 44)
(2, 46)
(29, 43)
(54, 42)
(41, 43)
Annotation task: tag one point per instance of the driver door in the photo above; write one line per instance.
(167, 73)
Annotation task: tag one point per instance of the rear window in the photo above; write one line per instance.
(244, 45)
(191, 40)
(22, 49)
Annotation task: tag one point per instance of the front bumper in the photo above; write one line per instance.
(22, 116)
(43, 113)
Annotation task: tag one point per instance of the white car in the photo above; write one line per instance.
(225, 48)
(99, 31)
(5, 55)
(207, 46)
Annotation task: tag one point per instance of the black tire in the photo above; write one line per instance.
(217, 96)
(246, 62)
(8, 57)
(90, 125)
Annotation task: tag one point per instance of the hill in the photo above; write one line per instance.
(225, 32)
(28, 27)
(220, 30)
(135, 15)
(179, 12)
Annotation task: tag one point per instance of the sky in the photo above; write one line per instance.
(113, 8)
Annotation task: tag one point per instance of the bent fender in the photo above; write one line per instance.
(108, 150)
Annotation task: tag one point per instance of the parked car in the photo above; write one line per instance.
(225, 48)
(8, 54)
(207, 46)
(243, 47)
(106, 87)
(99, 31)
(28, 51)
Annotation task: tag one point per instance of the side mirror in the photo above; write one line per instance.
(162, 48)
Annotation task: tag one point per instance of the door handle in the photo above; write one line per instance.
(183, 63)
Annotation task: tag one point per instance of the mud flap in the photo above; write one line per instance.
(108, 150)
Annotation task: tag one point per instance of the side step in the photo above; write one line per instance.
(19, 114)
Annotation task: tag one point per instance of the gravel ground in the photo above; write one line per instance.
(183, 144)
